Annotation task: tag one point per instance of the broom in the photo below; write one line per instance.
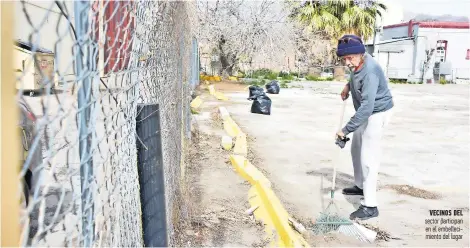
(330, 219)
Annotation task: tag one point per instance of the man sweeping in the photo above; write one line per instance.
(373, 102)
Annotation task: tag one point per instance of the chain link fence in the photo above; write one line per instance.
(82, 68)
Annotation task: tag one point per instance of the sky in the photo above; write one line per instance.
(437, 7)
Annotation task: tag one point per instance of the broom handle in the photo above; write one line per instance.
(334, 164)
(342, 116)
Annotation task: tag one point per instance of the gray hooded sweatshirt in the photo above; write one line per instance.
(370, 93)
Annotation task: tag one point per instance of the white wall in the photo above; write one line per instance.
(458, 43)
(45, 16)
(399, 64)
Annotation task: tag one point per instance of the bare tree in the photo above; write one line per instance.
(239, 30)
(427, 62)
(314, 49)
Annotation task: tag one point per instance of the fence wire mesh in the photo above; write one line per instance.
(82, 68)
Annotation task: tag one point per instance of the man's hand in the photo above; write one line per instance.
(340, 134)
(341, 139)
(345, 92)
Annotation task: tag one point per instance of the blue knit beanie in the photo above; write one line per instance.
(350, 44)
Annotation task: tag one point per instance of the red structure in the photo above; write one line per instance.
(411, 23)
(455, 25)
(118, 26)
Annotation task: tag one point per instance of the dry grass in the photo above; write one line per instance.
(381, 235)
(208, 224)
(215, 215)
(412, 191)
(229, 86)
(190, 196)
(217, 121)
(252, 156)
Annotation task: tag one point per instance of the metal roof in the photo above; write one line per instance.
(28, 46)
(454, 25)
(390, 41)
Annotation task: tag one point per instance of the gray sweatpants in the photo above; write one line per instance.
(366, 155)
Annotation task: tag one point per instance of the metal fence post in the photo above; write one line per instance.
(194, 82)
(195, 64)
(151, 175)
(83, 66)
(198, 61)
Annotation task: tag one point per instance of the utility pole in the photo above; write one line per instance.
(375, 32)
(375, 35)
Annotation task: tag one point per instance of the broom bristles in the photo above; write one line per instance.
(327, 223)
(332, 222)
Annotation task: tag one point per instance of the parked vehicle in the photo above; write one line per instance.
(27, 124)
(32, 74)
(326, 74)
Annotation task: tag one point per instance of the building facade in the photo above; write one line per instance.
(424, 51)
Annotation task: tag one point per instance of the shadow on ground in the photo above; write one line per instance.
(343, 180)
(58, 202)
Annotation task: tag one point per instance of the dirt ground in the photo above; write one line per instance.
(218, 195)
(424, 161)
(225, 86)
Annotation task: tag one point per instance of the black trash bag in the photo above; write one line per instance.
(341, 142)
(261, 105)
(255, 91)
(273, 87)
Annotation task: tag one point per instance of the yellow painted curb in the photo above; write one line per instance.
(241, 146)
(276, 216)
(211, 89)
(217, 94)
(210, 78)
(220, 96)
(248, 171)
(269, 209)
(261, 213)
(231, 127)
(232, 78)
(223, 113)
(196, 102)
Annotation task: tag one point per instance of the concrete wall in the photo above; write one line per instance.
(396, 59)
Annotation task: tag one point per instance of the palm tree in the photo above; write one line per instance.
(334, 18)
